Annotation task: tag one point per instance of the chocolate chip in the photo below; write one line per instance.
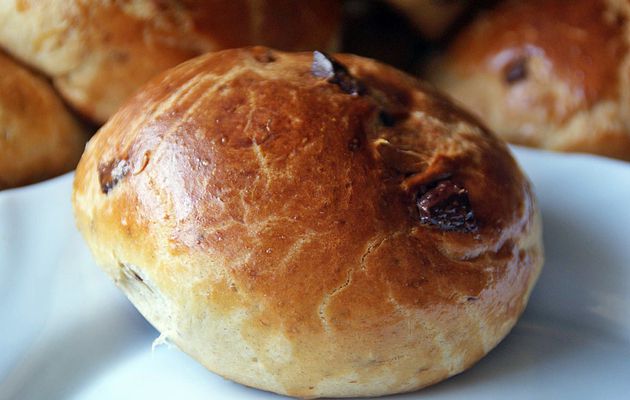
(110, 173)
(516, 70)
(446, 206)
(324, 66)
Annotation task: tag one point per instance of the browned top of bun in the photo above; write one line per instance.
(299, 187)
(39, 138)
(583, 43)
(99, 52)
(327, 228)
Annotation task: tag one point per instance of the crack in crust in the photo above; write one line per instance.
(328, 296)
(372, 246)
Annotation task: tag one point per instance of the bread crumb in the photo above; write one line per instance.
(161, 340)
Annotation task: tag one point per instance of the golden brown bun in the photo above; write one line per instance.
(39, 138)
(553, 74)
(431, 17)
(99, 52)
(265, 221)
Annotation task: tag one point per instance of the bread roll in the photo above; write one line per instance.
(312, 228)
(431, 17)
(552, 74)
(39, 138)
(99, 52)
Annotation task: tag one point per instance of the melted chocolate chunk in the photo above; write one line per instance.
(327, 67)
(110, 173)
(446, 206)
(516, 70)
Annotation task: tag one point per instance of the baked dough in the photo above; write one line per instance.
(547, 73)
(312, 226)
(39, 138)
(432, 18)
(99, 52)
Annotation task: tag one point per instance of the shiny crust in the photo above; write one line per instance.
(39, 138)
(575, 95)
(266, 224)
(99, 52)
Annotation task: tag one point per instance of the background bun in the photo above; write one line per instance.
(99, 52)
(547, 73)
(315, 229)
(39, 138)
(431, 17)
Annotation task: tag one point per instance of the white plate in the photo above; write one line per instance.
(66, 332)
